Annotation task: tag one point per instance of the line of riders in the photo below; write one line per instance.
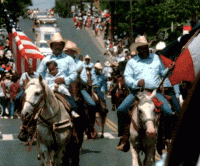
(61, 70)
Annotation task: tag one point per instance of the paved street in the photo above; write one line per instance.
(99, 152)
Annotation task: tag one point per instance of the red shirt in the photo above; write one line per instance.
(14, 90)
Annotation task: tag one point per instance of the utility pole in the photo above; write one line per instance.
(112, 10)
(131, 23)
(91, 2)
(81, 6)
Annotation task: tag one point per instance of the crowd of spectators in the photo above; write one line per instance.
(9, 87)
(117, 48)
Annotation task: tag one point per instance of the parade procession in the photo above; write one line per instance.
(99, 83)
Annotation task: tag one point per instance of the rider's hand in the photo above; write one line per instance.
(171, 66)
(141, 83)
(60, 81)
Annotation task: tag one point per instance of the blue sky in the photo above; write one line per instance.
(43, 4)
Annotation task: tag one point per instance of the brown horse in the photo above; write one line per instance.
(118, 92)
(100, 108)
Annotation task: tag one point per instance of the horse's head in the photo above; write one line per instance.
(146, 109)
(34, 96)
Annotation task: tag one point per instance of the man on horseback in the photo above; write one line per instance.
(65, 63)
(142, 71)
(99, 83)
(72, 49)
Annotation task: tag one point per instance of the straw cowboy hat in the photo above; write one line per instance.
(115, 64)
(161, 45)
(72, 46)
(139, 41)
(98, 65)
(87, 57)
(107, 63)
(56, 38)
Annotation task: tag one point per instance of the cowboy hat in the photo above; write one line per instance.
(161, 45)
(98, 65)
(87, 57)
(107, 63)
(115, 64)
(139, 41)
(56, 38)
(72, 46)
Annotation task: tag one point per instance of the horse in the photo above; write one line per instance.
(118, 92)
(100, 110)
(54, 124)
(143, 129)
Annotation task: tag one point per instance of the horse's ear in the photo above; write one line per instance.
(40, 78)
(153, 94)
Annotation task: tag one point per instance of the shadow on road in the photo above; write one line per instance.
(85, 151)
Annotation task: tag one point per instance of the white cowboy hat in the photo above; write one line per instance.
(161, 45)
(87, 57)
(139, 41)
(98, 65)
(72, 46)
(107, 63)
(56, 38)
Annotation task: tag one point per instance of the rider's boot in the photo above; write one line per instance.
(124, 144)
(74, 114)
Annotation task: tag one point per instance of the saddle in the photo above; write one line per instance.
(61, 126)
(61, 98)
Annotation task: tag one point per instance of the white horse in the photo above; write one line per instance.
(54, 126)
(143, 131)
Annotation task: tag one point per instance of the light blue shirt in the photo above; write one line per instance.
(107, 71)
(23, 77)
(50, 79)
(149, 69)
(99, 80)
(90, 64)
(65, 63)
(78, 64)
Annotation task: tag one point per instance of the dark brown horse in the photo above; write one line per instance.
(100, 110)
(118, 92)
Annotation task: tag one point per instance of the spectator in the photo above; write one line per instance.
(3, 95)
(14, 91)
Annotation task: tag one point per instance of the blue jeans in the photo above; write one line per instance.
(12, 108)
(88, 98)
(20, 94)
(72, 102)
(100, 94)
(122, 110)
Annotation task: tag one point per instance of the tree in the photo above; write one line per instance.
(62, 7)
(15, 8)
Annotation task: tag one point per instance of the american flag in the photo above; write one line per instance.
(24, 51)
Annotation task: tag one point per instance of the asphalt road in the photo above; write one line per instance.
(99, 152)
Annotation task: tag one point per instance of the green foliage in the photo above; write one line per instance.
(152, 15)
(63, 8)
(15, 8)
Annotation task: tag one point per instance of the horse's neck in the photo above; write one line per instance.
(135, 116)
(51, 101)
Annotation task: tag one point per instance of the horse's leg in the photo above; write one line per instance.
(135, 156)
(103, 120)
(44, 154)
(150, 155)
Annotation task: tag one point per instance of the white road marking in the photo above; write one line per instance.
(8, 137)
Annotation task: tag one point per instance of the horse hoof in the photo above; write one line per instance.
(102, 136)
